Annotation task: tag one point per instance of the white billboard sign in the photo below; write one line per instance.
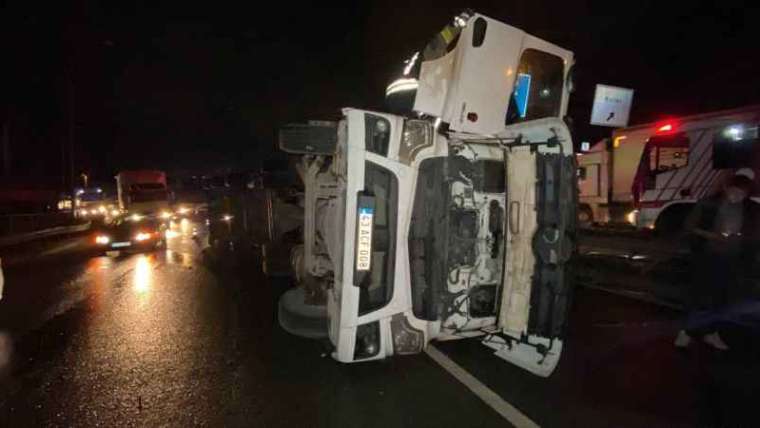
(612, 106)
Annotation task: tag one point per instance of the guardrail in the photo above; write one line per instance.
(21, 238)
(14, 224)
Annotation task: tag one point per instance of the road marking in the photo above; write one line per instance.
(492, 399)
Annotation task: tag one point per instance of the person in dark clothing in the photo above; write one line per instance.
(723, 234)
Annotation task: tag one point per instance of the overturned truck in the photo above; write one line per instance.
(455, 220)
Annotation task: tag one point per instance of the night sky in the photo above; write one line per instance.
(186, 86)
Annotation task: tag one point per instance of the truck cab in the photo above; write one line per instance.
(455, 222)
(143, 192)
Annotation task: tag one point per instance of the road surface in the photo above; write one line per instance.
(160, 339)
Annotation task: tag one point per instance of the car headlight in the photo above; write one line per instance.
(102, 209)
(406, 339)
(142, 236)
(102, 239)
(183, 210)
(93, 211)
(227, 218)
(114, 213)
(367, 340)
(166, 215)
(136, 217)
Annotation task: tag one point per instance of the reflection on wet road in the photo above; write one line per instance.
(160, 339)
(156, 338)
(140, 330)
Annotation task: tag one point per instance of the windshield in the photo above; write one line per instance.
(538, 87)
(147, 186)
(148, 196)
(377, 283)
(91, 196)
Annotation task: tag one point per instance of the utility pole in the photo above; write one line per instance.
(71, 125)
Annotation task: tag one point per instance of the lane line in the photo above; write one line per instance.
(492, 399)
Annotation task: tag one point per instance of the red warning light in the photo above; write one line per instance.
(666, 127)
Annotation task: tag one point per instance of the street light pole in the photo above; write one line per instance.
(71, 130)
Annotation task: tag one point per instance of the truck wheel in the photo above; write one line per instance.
(670, 222)
(300, 319)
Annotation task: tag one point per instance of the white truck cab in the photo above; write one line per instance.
(456, 223)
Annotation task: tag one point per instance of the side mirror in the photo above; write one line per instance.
(570, 79)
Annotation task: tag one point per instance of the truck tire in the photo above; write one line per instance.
(671, 221)
(300, 319)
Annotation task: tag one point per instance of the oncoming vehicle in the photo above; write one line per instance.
(133, 232)
(93, 203)
(455, 222)
(143, 191)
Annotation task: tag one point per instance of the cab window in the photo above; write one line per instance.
(582, 173)
(668, 153)
(538, 87)
(669, 158)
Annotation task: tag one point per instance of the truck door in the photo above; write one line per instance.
(540, 234)
(589, 180)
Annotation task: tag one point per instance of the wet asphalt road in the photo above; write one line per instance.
(159, 339)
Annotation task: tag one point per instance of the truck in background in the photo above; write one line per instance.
(143, 192)
(651, 175)
(455, 221)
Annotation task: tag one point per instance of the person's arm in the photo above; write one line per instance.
(692, 224)
(707, 234)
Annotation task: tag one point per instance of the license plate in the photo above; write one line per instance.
(364, 240)
(121, 244)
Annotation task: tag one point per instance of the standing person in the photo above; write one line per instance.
(722, 234)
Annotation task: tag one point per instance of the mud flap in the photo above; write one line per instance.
(532, 328)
